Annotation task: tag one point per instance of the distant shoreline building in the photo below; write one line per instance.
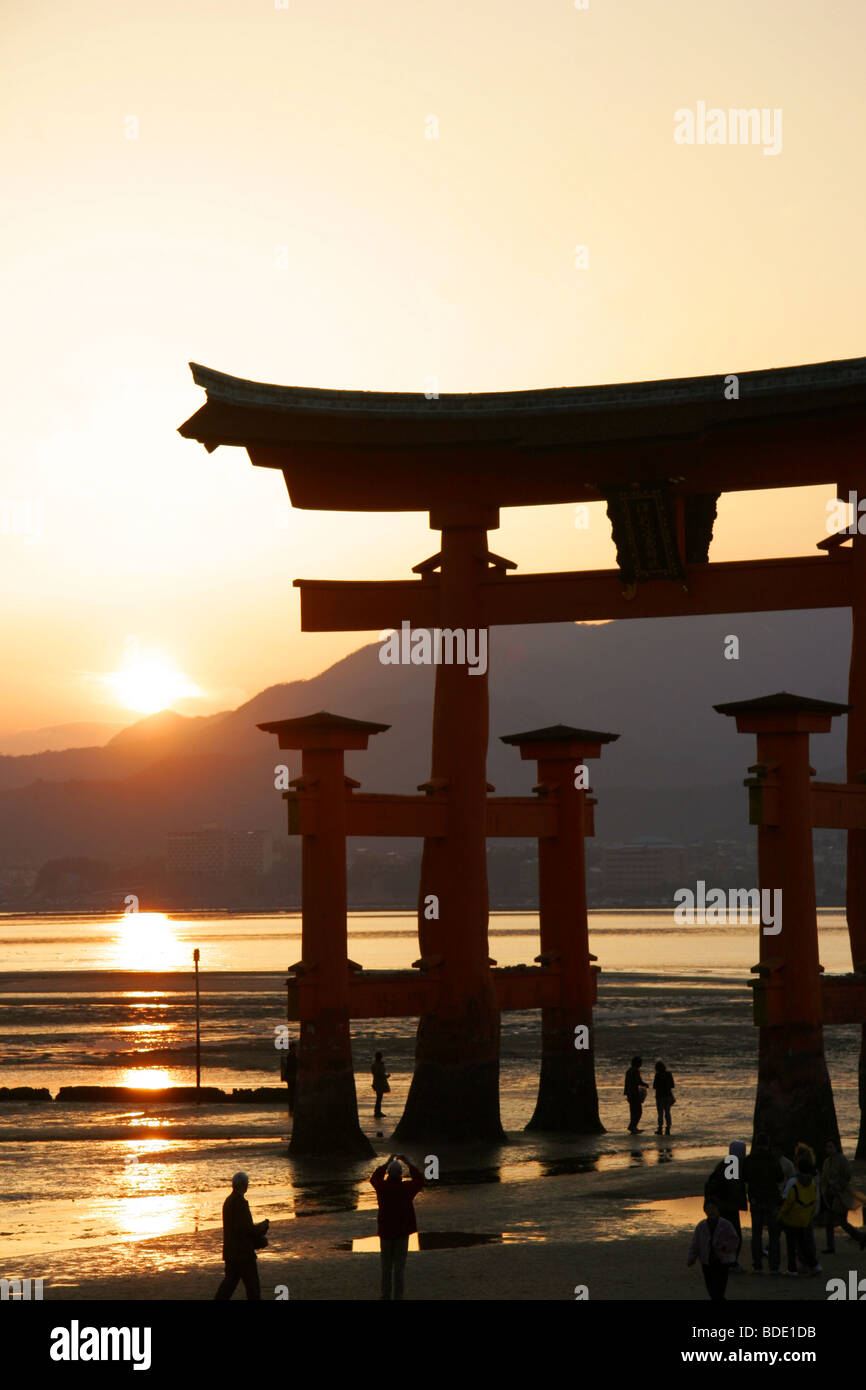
(649, 864)
(216, 852)
(16, 881)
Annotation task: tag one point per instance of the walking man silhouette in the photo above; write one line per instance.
(241, 1238)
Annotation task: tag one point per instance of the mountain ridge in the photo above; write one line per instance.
(676, 766)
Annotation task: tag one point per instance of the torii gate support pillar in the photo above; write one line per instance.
(326, 1104)
(856, 770)
(567, 1095)
(794, 1097)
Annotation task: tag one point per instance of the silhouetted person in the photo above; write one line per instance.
(663, 1085)
(241, 1238)
(396, 1221)
(764, 1179)
(380, 1082)
(729, 1193)
(635, 1093)
(796, 1215)
(837, 1197)
(714, 1243)
(290, 1074)
(804, 1154)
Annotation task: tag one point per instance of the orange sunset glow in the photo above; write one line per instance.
(155, 224)
(433, 699)
(149, 685)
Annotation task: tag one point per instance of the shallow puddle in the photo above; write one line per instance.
(648, 1154)
(681, 1212)
(334, 1195)
(444, 1240)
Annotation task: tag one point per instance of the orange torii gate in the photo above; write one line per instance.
(660, 454)
(327, 989)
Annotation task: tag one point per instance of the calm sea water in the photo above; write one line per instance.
(79, 1004)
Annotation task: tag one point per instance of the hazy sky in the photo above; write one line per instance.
(280, 213)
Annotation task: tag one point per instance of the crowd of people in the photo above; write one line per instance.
(784, 1196)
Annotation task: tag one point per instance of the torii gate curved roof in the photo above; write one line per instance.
(398, 451)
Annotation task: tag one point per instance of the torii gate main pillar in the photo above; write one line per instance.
(455, 1086)
(794, 1097)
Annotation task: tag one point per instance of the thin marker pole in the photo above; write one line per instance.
(195, 956)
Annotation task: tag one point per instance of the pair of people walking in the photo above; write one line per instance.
(636, 1092)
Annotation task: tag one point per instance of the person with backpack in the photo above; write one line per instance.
(663, 1085)
(763, 1174)
(796, 1215)
(727, 1188)
(635, 1092)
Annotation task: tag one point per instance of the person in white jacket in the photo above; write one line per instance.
(714, 1243)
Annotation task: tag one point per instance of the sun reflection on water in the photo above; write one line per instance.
(149, 941)
(147, 1078)
(147, 1206)
(141, 1027)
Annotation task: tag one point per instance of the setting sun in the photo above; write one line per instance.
(148, 941)
(148, 1078)
(150, 684)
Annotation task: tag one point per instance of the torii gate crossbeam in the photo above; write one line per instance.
(739, 586)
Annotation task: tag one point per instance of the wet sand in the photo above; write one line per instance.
(623, 1233)
(121, 1199)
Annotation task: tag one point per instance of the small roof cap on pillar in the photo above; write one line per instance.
(562, 738)
(782, 711)
(323, 730)
(560, 733)
(785, 701)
